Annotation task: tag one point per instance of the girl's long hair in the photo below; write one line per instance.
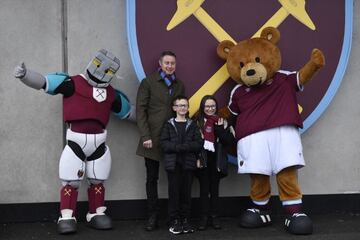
(201, 114)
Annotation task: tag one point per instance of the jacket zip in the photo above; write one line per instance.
(172, 122)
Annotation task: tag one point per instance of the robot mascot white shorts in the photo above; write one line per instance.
(73, 165)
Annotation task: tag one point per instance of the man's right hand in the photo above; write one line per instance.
(148, 144)
(198, 164)
(20, 70)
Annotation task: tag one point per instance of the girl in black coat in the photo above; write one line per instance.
(181, 143)
(212, 163)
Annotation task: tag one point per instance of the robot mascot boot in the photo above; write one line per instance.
(67, 222)
(96, 216)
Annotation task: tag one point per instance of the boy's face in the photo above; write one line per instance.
(181, 107)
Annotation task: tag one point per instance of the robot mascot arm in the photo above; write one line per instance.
(53, 83)
(32, 79)
(121, 106)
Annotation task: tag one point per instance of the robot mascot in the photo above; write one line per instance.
(87, 101)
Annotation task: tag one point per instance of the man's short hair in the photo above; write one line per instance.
(167, 53)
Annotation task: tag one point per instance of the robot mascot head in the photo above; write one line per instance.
(102, 68)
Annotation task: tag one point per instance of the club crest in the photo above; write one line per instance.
(99, 94)
(193, 29)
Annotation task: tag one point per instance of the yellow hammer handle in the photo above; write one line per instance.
(274, 21)
(209, 88)
(212, 26)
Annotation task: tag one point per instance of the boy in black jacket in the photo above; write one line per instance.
(181, 142)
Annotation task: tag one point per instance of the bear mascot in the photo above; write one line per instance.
(267, 125)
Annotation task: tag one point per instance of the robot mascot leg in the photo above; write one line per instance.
(97, 171)
(71, 172)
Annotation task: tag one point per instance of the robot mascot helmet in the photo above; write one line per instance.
(101, 70)
(88, 99)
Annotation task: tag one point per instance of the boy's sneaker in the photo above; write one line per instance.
(176, 227)
(187, 228)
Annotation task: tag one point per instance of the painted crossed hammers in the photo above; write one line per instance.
(186, 8)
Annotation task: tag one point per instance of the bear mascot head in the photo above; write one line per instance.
(255, 61)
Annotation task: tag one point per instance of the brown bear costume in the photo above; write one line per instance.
(267, 121)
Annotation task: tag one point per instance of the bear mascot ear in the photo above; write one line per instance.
(271, 34)
(224, 48)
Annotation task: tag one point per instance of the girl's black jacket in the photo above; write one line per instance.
(187, 150)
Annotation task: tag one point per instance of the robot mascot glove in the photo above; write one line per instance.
(88, 99)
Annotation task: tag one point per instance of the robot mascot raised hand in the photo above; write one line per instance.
(88, 100)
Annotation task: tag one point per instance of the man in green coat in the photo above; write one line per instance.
(153, 108)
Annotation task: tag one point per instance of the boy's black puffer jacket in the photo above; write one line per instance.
(172, 147)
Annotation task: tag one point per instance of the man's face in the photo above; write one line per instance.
(168, 64)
